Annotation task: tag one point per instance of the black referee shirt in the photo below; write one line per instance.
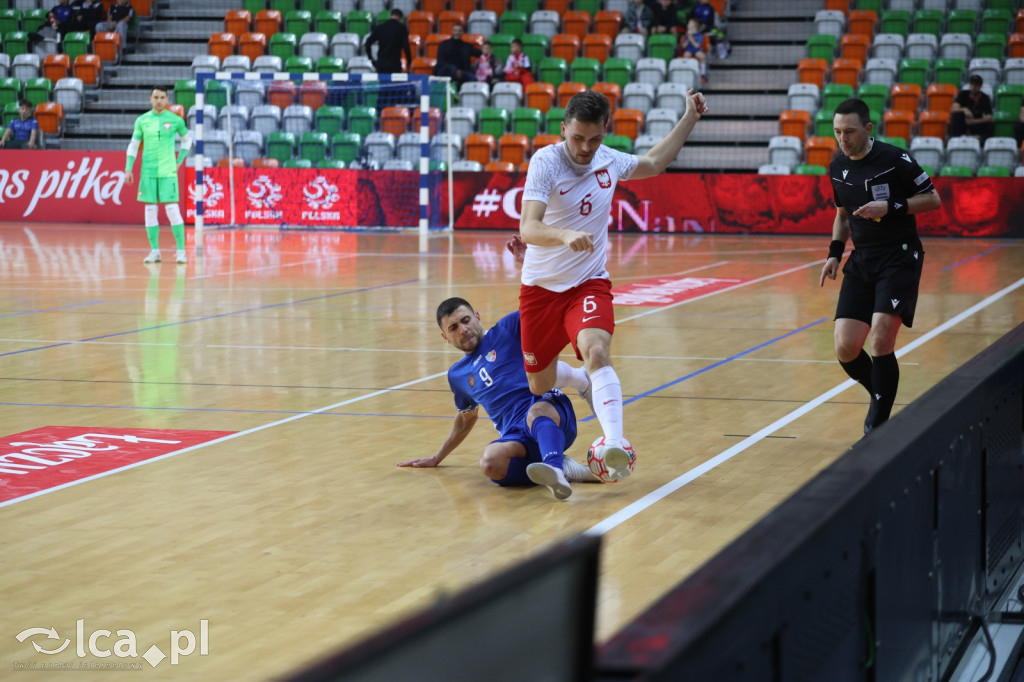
(393, 38)
(886, 172)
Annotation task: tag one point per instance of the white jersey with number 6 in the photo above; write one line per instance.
(577, 198)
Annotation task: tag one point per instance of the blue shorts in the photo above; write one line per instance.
(566, 418)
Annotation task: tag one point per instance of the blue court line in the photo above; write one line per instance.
(50, 310)
(977, 255)
(717, 364)
(210, 317)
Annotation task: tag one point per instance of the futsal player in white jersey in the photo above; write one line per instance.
(566, 291)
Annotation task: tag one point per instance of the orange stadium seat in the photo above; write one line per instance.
(565, 46)
(143, 8)
(906, 97)
(933, 123)
(268, 22)
(514, 148)
(838, 5)
(237, 162)
(608, 22)
(432, 42)
(50, 117)
(610, 90)
(1015, 46)
(855, 46)
(499, 167)
(846, 72)
(496, 6)
(898, 123)
(433, 120)
(628, 122)
(597, 46)
(475, 39)
(178, 109)
(107, 45)
(480, 148)
(445, 21)
(813, 70)
(56, 66)
(560, 6)
(282, 94)
(423, 65)
(313, 94)
(265, 163)
(863, 22)
(1020, 20)
(794, 123)
(524, 166)
(941, 96)
(252, 45)
(467, 7)
(818, 151)
(540, 96)
(238, 21)
(416, 45)
(395, 120)
(567, 90)
(88, 68)
(222, 45)
(435, 7)
(577, 22)
(544, 140)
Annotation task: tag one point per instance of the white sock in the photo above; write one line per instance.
(570, 377)
(608, 401)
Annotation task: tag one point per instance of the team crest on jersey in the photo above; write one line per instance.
(603, 179)
(492, 356)
(167, 126)
(530, 358)
(472, 381)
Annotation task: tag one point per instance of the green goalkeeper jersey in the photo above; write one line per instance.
(157, 134)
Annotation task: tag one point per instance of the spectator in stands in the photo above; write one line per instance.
(972, 112)
(392, 40)
(1018, 130)
(638, 19)
(691, 44)
(454, 57)
(87, 14)
(119, 17)
(666, 17)
(704, 13)
(518, 68)
(22, 132)
(61, 18)
(488, 69)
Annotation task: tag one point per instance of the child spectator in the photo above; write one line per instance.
(691, 44)
(22, 132)
(517, 67)
(488, 69)
(638, 19)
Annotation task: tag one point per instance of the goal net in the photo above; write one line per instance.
(320, 150)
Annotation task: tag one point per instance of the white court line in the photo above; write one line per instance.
(226, 438)
(664, 491)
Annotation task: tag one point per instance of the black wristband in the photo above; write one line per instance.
(897, 206)
(836, 248)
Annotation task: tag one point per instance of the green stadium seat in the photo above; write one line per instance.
(527, 7)
(254, 6)
(993, 172)
(314, 6)
(823, 123)
(494, 121)
(894, 141)
(77, 43)
(835, 93)
(895, 21)
(620, 143)
(284, 6)
(873, 5)
(513, 23)
(536, 47)
(439, 166)
(329, 22)
(662, 45)
(591, 6)
(928, 21)
(553, 121)
(1003, 122)
(11, 111)
(15, 43)
(298, 21)
(281, 145)
(330, 65)
(10, 91)
(990, 45)
(994, 20)
(914, 71)
(330, 120)
(185, 93)
(217, 93)
(382, 16)
(821, 46)
(500, 44)
(585, 70)
(949, 70)
(10, 21)
(961, 21)
(282, 45)
(38, 90)
(298, 64)
(440, 93)
(956, 172)
(336, 164)
(359, 22)
(526, 121)
(362, 120)
(552, 70)
(346, 146)
(930, 170)
(619, 71)
(313, 146)
(805, 169)
(297, 163)
(874, 95)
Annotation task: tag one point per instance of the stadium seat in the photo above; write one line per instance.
(612, 91)
(314, 45)
(500, 167)
(833, 94)
(540, 96)
(685, 71)
(898, 123)
(620, 143)
(914, 71)
(631, 46)
(16, 43)
(830, 22)
(933, 123)
(928, 151)
(379, 147)
(671, 96)
(598, 46)
(475, 95)
(513, 23)
(238, 115)
(929, 20)
(5, 65)
(644, 143)
(297, 119)
(513, 148)
(38, 90)
(875, 96)
(236, 162)
(963, 151)
(297, 163)
(880, 71)
(281, 145)
(431, 43)
(773, 169)
(813, 71)
(956, 46)
(576, 23)
(395, 120)
(949, 71)
(10, 21)
(359, 22)
(265, 162)
(425, 66)
(961, 20)
(440, 145)
(1015, 46)
(282, 45)
(447, 19)
(628, 122)
(25, 66)
(855, 46)
(249, 93)
(480, 147)
(565, 46)
(993, 172)
(268, 22)
(344, 45)
(795, 122)
(461, 121)
(360, 64)
(940, 96)
(464, 166)
(863, 22)
(346, 147)
(1013, 71)
(846, 71)
(650, 70)
(408, 148)
(638, 96)
(565, 92)
(552, 70)
(89, 69)
(808, 169)
(888, 46)
(662, 46)
(546, 23)
(265, 119)
(823, 123)
(298, 64)
(50, 118)
(209, 116)
(804, 96)
(69, 93)
(238, 22)
(420, 23)
(297, 21)
(608, 22)
(507, 96)
(1001, 151)
(236, 63)
(535, 46)
(906, 97)
(220, 45)
(482, 22)
(619, 71)
(821, 46)
(248, 144)
(819, 151)
(990, 46)
(252, 45)
(658, 122)
(989, 69)
(956, 172)
(553, 121)
(56, 67)
(205, 63)
(785, 151)
(268, 63)
(328, 21)
(921, 46)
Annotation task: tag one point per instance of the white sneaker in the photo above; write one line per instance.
(576, 472)
(588, 393)
(554, 479)
(180, 258)
(153, 257)
(616, 459)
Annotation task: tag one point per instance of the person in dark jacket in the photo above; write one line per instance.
(454, 57)
(392, 40)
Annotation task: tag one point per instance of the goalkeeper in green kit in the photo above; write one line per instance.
(158, 178)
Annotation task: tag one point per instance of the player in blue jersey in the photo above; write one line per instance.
(534, 431)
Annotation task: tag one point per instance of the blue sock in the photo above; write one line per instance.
(550, 439)
(516, 474)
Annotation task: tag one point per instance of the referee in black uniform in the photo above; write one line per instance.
(877, 189)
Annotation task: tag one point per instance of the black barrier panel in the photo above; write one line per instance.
(877, 569)
(533, 622)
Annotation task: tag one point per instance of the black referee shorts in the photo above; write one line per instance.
(881, 280)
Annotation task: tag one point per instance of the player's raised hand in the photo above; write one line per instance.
(578, 241)
(517, 247)
(830, 269)
(696, 103)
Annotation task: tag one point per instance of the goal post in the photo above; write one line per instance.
(357, 137)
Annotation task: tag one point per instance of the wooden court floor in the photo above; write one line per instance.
(318, 351)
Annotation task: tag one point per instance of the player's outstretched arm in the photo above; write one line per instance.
(840, 232)
(463, 424)
(655, 161)
(535, 231)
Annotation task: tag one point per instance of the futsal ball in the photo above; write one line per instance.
(611, 460)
